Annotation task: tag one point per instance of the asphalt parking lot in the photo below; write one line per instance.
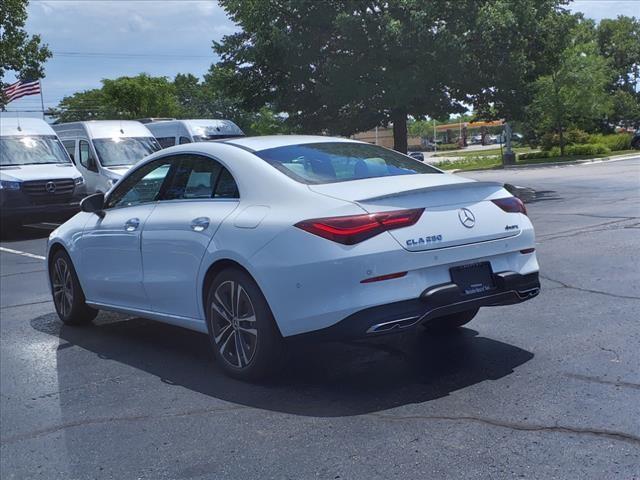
(545, 389)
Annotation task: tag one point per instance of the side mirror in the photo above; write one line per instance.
(93, 204)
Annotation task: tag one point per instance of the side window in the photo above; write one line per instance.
(192, 177)
(70, 147)
(86, 157)
(226, 186)
(142, 186)
(184, 140)
(166, 142)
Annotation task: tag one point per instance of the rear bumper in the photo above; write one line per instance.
(435, 302)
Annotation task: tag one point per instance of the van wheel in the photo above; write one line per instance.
(242, 330)
(68, 296)
(450, 323)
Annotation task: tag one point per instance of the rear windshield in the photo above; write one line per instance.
(117, 151)
(331, 162)
(32, 150)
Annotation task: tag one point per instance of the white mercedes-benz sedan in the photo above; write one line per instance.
(256, 241)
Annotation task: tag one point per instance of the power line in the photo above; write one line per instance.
(127, 55)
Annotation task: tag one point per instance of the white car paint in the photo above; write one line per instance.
(310, 283)
(178, 132)
(80, 140)
(22, 161)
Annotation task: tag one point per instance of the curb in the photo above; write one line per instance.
(613, 158)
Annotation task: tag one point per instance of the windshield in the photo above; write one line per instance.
(30, 150)
(340, 162)
(208, 138)
(118, 151)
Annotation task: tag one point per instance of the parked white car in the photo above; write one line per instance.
(263, 239)
(103, 150)
(38, 182)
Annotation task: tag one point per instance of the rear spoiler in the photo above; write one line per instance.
(437, 188)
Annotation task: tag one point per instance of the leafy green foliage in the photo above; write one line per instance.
(574, 94)
(19, 52)
(341, 66)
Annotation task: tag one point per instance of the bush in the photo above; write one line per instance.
(589, 149)
(614, 142)
(573, 136)
(534, 155)
(443, 147)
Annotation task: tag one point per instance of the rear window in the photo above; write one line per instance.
(331, 162)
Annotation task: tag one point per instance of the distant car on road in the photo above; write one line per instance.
(103, 150)
(38, 181)
(259, 240)
(417, 155)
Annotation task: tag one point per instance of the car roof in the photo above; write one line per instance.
(24, 126)
(273, 141)
(105, 128)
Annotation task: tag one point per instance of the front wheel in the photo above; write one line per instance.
(243, 332)
(68, 296)
(450, 323)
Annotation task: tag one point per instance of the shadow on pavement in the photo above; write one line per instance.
(322, 380)
(26, 232)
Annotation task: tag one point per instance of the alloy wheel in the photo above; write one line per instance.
(62, 284)
(233, 322)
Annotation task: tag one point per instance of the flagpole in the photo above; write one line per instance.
(41, 97)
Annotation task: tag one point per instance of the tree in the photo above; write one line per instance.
(86, 105)
(574, 94)
(619, 41)
(125, 97)
(626, 109)
(140, 96)
(19, 52)
(341, 66)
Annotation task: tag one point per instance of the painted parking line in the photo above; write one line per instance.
(24, 254)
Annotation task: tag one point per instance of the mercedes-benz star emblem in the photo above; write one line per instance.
(467, 218)
(50, 187)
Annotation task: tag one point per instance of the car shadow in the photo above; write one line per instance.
(320, 380)
(25, 232)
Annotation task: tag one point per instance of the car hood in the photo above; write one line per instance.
(47, 171)
(118, 171)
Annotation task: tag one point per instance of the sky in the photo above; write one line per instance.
(96, 39)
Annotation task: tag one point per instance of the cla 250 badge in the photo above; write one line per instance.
(414, 242)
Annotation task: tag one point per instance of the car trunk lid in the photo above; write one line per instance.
(458, 211)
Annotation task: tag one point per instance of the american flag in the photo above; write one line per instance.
(20, 89)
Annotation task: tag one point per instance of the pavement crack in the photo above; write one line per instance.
(590, 229)
(523, 427)
(104, 420)
(25, 304)
(22, 273)
(588, 290)
(615, 383)
(617, 359)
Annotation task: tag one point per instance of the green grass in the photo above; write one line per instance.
(481, 153)
(491, 162)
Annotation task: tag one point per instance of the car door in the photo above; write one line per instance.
(88, 165)
(111, 263)
(199, 195)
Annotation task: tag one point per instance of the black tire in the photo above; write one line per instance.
(450, 323)
(245, 349)
(68, 297)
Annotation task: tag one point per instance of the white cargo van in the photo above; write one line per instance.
(176, 132)
(103, 150)
(38, 182)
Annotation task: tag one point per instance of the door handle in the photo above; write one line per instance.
(132, 224)
(200, 224)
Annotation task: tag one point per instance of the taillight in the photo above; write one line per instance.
(357, 228)
(511, 205)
